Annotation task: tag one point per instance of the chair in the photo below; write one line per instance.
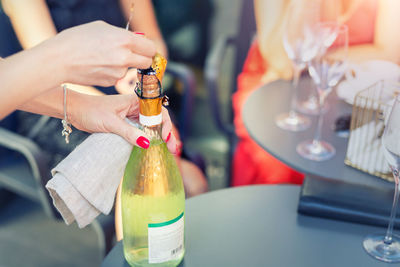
(241, 43)
(183, 74)
(25, 171)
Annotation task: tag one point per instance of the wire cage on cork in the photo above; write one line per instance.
(371, 109)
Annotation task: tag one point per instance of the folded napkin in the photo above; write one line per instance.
(361, 76)
(84, 184)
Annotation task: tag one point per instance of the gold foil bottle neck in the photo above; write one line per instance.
(150, 99)
(149, 90)
(159, 65)
(150, 79)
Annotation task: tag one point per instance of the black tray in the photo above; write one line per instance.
(348, 200)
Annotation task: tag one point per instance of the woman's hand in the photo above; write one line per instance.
(99, 54)
(108, 113)
(91, 54)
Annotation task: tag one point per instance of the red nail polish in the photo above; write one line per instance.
(168, 137)
(140, 33)
(143, 142)
(178, 150)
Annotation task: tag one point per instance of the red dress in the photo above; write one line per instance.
(251, 163)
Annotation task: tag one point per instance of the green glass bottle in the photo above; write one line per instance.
(153, 198)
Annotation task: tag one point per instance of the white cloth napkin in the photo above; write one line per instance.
(84, 184)
(361, 76)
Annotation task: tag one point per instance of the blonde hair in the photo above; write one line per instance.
(269, 20)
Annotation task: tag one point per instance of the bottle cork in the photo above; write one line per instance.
(149, 83)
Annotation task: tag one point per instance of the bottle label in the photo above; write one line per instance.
(166, 240)
(150, 120)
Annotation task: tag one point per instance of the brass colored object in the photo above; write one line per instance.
(153, 177)
(149, 90)
(159, 65)
(371, 108)
(150, 107)
(149, 87)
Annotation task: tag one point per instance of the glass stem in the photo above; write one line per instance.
(321, 102)
(389, 233)
(295, 85)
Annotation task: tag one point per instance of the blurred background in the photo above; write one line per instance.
(29, 236)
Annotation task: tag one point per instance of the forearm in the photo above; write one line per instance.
(95, 114)
(27, 74)
(386, 39)
(51, 103)
(83, 89)
(31, 21)
(361, 53)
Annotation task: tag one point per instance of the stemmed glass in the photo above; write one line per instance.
(386, 247)
(329, 11)
(326, 70)
(300, 46)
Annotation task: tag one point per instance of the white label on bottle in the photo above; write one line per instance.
(150, 120)
(166, 240)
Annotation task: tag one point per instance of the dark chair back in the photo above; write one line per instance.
(241, 43)
(183, 74)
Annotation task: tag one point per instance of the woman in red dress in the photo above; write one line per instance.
(372, 35)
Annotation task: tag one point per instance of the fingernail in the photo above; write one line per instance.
(168, 137)
(140, 33)
(178, 150)
(143, 142)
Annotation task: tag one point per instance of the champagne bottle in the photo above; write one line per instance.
(153, 198)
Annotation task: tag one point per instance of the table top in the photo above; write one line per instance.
(260, 226)
(265, 103)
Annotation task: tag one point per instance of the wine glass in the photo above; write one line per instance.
(329, 11)
(300, 46)
(386, 247)
(326, 70)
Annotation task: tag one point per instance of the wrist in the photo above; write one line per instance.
(72, 108)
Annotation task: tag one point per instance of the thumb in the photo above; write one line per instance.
(130, 133)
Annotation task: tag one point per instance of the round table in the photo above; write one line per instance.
(259, 226)
(265, 103)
